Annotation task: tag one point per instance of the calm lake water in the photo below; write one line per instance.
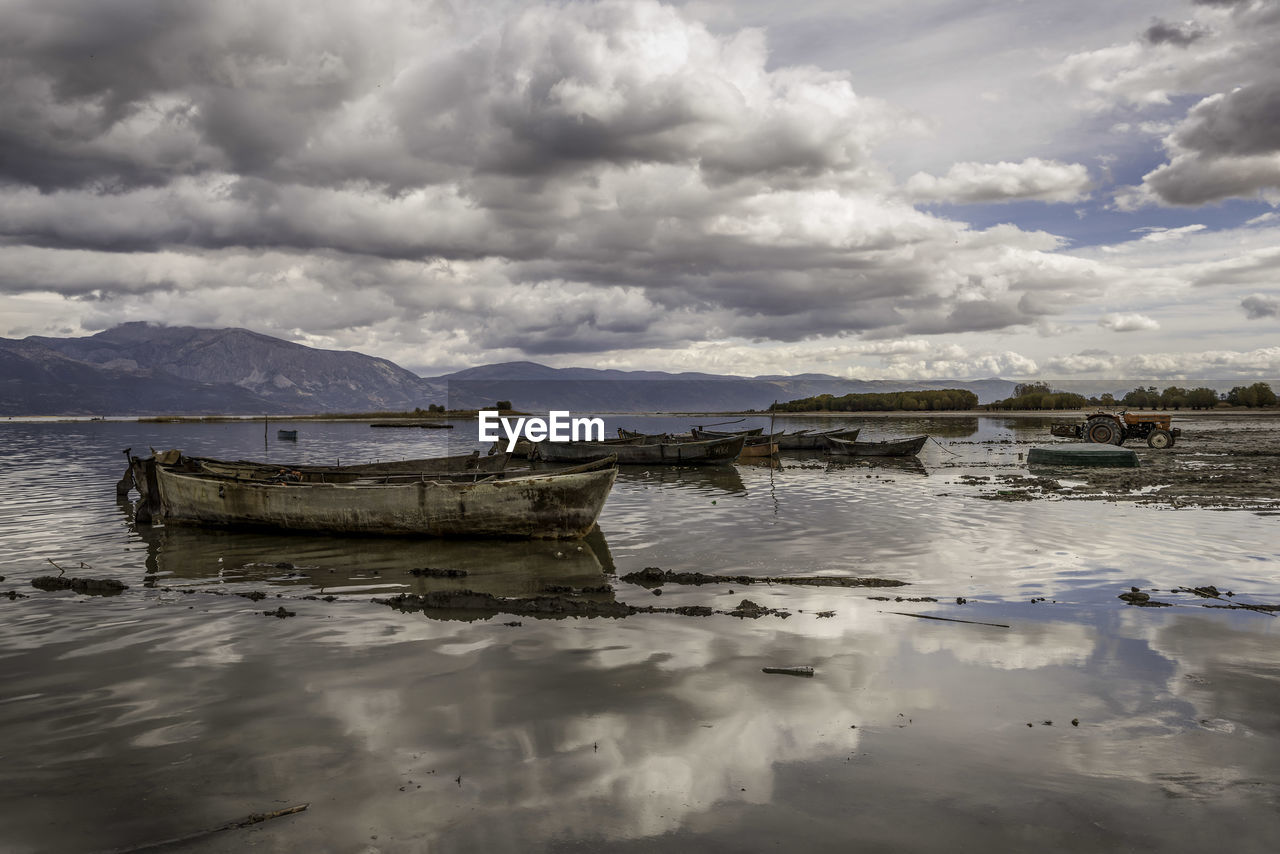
(170, 709)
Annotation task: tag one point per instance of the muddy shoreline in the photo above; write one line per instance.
(1221, 467)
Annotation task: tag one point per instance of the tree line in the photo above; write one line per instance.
(1034, 395)
(1175, 397)
(937, 400)
(1039, 396)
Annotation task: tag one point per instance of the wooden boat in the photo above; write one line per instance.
(287, 435)
(553, 504)
(526, 450)
(428, 425)
(252, 470)
(632, 452)
(700, 433)
(908, 447)
(758, 449)
(1089, 454)
(812, 440)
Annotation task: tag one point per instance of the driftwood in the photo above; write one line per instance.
(247, 821)
(945, 619)
(1211, 592)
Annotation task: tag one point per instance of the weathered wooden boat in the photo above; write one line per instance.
(526, 450)
(406, 422)
(253, 470)
(702, 433)
(287, 435)
(632, 452)
(908, 447)
(140, 473)
(1089, 454)
(758, 446)
(553, 504)
(812, 440)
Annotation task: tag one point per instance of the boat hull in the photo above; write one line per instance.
(709, 452)
(541, 506)
(892, 448)
(813, 441)
(1090, 454)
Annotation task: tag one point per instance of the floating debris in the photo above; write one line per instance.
(799, 670)
(279, 612)
(652, 576)
(946, 619)
(88, 586)
(429, 572)
(1136, 597)
(468, 604)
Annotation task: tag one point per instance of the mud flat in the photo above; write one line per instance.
(1214, 465)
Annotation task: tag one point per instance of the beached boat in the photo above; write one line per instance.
(633, 452)
(553, 504)
(1090, 454)
(812, 440)
(908, 447)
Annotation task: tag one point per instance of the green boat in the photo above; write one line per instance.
(1089, 454)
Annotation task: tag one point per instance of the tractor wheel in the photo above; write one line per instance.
(1160, 439)
(1102, 431)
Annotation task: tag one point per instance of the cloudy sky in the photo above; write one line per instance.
(938, 188)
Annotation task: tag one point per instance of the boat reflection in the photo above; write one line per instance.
(770, 462)
(185, 556)
(821, 459)
(715, 479)
(896, 465)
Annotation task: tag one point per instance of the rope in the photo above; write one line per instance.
(940, 445)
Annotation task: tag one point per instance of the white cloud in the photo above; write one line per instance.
(1130, 322)
(1032, 179)
(1263, 362)
(1156, 234)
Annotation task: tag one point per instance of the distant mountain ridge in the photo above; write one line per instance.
(231, 371)
(145, 369)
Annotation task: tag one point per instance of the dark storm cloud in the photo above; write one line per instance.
(1258, 306)
(1242, 122)
(1164, 32)
(1226, 147)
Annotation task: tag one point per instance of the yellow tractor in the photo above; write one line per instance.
(1114, 428)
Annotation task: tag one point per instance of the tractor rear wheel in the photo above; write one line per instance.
(1160, 439)
(1102, 430)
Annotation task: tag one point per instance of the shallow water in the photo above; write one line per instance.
(175, 707)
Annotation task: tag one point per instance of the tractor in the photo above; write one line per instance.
(1114, 428)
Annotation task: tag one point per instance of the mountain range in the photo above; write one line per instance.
(145, 369)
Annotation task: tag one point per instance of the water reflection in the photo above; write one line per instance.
(654, 733)
(702, 479)
(178, 555)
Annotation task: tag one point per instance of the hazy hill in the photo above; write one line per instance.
(37, 380)
(139, 368)
(227, 370)
(535, 387)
